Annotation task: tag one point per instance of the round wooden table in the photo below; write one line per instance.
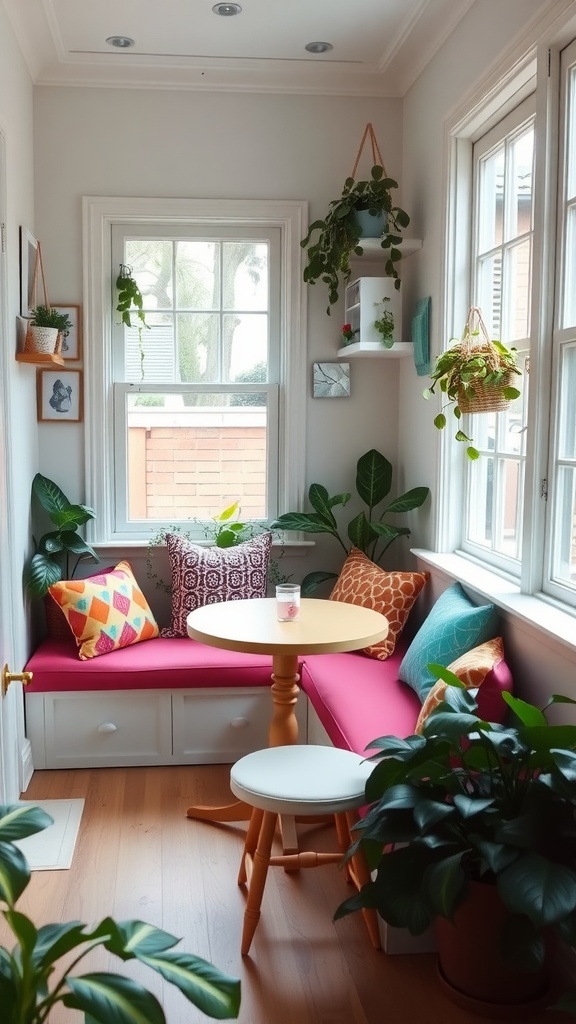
(252, 626)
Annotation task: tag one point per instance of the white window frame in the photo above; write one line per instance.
(99, 214)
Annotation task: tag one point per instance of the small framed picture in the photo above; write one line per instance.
(28, 252)
(71, 349)
(59, 394)
(331, 380)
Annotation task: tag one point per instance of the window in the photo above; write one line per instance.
(204, 404)
(502, 235)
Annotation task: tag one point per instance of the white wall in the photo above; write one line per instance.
(16, 112)
(150, 143)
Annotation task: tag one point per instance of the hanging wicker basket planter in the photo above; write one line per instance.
(476, 375)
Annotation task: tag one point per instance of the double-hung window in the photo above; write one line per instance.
(202, 404)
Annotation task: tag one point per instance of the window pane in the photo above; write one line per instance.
(508, 513)
(569, 305)
(199, 347)
(151, 263)
(491, 201)
(571, 138)
(564, 564)
(245, 273)
(149, 352)
(190, 455)
(481, 497)
(521, 156)
(197, 275)
(516, 315)
(567, 438)
(490, 293)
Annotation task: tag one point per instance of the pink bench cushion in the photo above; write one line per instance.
(151, 665)
(355, 715)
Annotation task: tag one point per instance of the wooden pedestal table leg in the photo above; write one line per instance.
(284, 726)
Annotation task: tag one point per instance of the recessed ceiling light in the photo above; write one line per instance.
(318, 47)
(122, 42)
(227, 10)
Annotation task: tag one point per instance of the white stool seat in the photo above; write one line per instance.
(301, 779)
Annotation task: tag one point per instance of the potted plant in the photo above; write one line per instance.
(473, 825)
(55, 552)
(130, 302)
(339, 233)
(384, 322)
(366, 530)
(44, 326)
(32, 984)
(475, 374)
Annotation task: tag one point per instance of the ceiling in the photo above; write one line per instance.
(379, 46)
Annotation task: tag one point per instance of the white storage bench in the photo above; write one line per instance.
(158, 702)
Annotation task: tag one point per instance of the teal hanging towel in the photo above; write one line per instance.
(421, 337)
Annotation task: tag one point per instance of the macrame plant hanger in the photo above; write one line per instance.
(369, 135)
(489, 397)
(32, 343)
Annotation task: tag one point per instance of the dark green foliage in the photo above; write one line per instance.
(474, 800)
(51, 560)
(338, 239)
(46, 316)
(31, 984)
(366, 531)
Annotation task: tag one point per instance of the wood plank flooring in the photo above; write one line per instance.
(139, 856)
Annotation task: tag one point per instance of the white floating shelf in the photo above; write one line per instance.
(375, 350)
(372, 248)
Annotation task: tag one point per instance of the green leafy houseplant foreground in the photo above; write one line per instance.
(470, 800)
(339, 235)
(55, 551)
(31, 983)
(365, 531)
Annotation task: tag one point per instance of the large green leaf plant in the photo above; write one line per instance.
(470, 800)
(366, 530)
(32, 984)
(58, 552)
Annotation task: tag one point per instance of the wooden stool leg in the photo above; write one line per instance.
(260, 864)
(343, 834)
(360, 876)
(250, 844)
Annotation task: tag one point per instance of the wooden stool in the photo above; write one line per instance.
(308, 782)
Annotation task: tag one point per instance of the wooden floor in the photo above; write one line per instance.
(139, 856)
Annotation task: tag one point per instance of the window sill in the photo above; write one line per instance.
(536, 611)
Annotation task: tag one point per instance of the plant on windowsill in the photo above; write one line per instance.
(472, 817)
(365, 531)
(32, 985)
(56, 554)
(475, 374)
(339, 233)
(384, 323)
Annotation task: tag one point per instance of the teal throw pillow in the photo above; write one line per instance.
(454, 626)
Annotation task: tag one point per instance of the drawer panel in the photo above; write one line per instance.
(219, 726)
(87, 730)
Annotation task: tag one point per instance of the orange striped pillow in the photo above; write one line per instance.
(105, 612)
(392, 594)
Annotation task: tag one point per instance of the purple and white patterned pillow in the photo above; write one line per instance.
(207, 575)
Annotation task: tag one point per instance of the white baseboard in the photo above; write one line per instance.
(26, 765)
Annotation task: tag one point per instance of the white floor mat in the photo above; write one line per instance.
(53, 848)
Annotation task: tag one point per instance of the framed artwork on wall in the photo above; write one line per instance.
(71, 348)
(59, 396)
(331, 380)
(28, 251)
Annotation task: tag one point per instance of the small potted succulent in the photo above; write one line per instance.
(339, 234)
(475, 374)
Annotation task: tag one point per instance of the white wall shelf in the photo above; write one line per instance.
(375, 350)
(373, 249)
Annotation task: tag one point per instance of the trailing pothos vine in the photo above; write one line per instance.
(130, 302)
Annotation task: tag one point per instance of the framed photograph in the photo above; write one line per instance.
(71, 349)
(28, 250)
(59, 396)
(331, 380)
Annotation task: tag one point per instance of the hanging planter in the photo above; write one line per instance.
(476, 375)
(45, 325)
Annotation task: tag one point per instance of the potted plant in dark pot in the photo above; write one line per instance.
(472, 825)
(339, 234)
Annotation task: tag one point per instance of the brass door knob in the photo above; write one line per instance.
(11, 677)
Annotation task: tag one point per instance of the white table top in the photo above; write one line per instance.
(252, 626)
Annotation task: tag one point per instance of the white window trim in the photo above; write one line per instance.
(99, 213)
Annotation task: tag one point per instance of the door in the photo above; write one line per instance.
(10, 705)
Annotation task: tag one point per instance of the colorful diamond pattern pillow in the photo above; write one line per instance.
(105, 611)
(208, 575)
(453, 626)
(392, 594)
(472, 669)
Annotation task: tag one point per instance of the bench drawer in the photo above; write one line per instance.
(212, 726)
(104, 729)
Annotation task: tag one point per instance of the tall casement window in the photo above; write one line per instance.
(560, 570)
(501, 271)
(202, 403)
